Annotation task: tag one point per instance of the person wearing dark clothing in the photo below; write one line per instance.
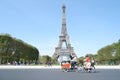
(73, 62)
(93, 63)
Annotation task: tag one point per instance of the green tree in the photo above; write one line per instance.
(12, 49)
(45, 59)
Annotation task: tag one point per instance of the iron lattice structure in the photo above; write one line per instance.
(63, 38)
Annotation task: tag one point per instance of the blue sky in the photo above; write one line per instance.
(91, 24)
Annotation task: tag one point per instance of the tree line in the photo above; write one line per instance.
(108, 55)
(12, 49)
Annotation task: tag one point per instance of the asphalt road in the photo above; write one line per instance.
(57, 74)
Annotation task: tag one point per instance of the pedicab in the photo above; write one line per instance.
(66, 66)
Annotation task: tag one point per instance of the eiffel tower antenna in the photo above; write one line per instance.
(64, 29)
(62, 53)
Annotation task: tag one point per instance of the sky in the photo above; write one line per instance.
(91, 24)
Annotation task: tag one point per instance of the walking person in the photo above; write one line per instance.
(93, 63)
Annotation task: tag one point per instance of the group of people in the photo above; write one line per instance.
(87, 62)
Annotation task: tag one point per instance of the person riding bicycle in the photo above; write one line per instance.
(87, 62)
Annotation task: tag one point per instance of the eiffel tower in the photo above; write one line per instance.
(63, 53)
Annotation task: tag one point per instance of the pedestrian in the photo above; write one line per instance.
(93, 63)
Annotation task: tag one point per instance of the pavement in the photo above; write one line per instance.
(22, 72)
(50, 67)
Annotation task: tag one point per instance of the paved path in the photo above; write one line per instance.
(58, 74)
(51, 67)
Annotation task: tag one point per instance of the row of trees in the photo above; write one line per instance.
(12, 49)
(109, 54)
(45, 59)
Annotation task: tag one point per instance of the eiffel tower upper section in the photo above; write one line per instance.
(63, 38)
(64, 29)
